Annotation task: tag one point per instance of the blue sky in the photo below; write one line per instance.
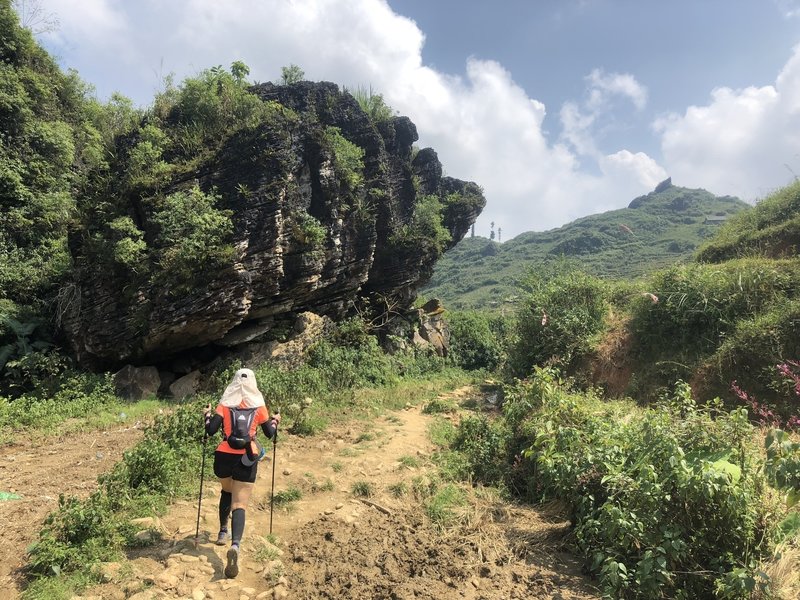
(558, 108)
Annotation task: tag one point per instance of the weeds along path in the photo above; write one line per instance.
(335, 543)
(38, 472)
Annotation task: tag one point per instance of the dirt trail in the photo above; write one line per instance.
(68, 465)
(333, 544)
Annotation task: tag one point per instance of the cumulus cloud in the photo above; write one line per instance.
(744, 142)
(483, 125)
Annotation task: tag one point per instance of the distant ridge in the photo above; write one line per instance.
(656, 230)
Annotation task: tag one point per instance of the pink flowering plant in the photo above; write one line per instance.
(767, 415)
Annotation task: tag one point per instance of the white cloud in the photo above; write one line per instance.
(744, 142)
(602, 87)
(789, 8)
(582, 123)
(483, 125)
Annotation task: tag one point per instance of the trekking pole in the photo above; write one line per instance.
(272, 493)
(202, 472)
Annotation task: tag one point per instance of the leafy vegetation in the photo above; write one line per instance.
(291, 74)
(477, 340)
(649, 490)
(373, 104)
(560, 311)
(425, 229)
(348, 157)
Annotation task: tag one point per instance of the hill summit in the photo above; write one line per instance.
(657, 229)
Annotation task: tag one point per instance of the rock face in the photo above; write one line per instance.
(136, 383)
(272, 178)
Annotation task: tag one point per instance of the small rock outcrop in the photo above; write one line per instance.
(304, 237)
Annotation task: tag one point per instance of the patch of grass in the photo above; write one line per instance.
(265, 553)
(394, 419)
(58, 588)
(309, 425)
(363, 489)
(287, 496)
(367, 402)
(398, 490)
(442, 507)
(424, 487)
(411, 462)
(438, 406)
(319, 486)
(337, 467)
(365, 437)
(441, 432)
(349, 452)
(275, 573)
(83, 404)
(453, 465)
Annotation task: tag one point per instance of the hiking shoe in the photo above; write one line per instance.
(232, 568)
(222, 537)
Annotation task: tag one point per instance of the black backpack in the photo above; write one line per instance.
(241, 421)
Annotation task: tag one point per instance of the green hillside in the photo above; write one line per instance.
(656, 230)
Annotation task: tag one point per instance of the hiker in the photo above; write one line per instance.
(240, 411)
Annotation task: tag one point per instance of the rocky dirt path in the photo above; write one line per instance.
(333, 543)
(38, 473)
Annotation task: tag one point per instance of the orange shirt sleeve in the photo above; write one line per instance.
(262, 415)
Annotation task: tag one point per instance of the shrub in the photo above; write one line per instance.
(76, 535)
(348, 157)
(307, 230)
(425, 227)
(483, 444)
(731, 321)
(649, 496)
(192, 235)
(751, 352)
(561, 310)
(474, 342)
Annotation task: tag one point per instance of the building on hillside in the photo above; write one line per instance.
(715, 219)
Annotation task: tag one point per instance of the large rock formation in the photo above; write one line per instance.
(273, 177)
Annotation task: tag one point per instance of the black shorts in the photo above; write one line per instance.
(230, 465)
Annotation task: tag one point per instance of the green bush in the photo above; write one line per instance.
(193, 235)
(484, 445)
(77, 395)
(474, 340)
(373, 104)
(348, 157)
(671, 502)
(425, 228)
(347, 366)
(77, 535)
(750, 354)
(561, 311)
